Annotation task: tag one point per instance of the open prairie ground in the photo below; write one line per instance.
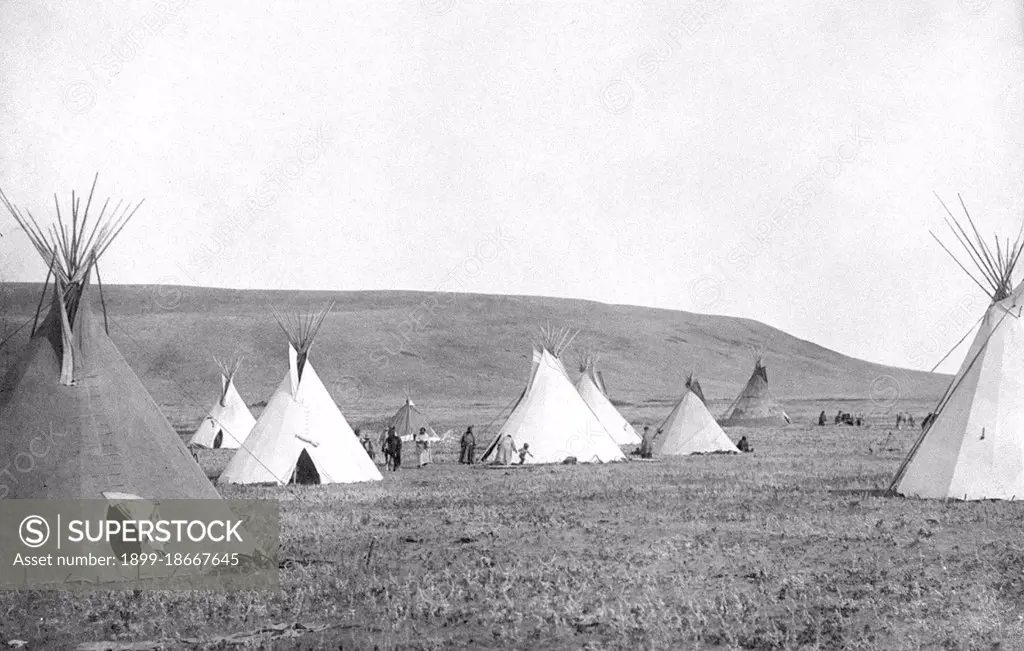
(792, 546)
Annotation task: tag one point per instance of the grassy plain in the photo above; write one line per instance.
(792, 546)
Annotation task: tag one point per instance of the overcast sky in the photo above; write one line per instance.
(774, 161)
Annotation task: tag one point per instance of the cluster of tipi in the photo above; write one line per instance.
(72, 392)
(555, 418)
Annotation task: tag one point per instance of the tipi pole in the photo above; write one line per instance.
(103, 302)
(42, 296)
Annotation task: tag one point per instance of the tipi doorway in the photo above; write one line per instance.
(305, 470)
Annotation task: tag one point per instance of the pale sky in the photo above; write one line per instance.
(626, 152)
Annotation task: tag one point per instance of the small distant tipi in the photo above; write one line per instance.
(71, 399)
(755, 406)
(690, 428)
(301, 437)
(974, 447)
(408, 420)
(552, 417)
(229, 421)
(591, 389)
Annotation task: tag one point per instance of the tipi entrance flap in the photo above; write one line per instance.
(293, 369)
(225, 385)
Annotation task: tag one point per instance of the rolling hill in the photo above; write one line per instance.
(455, 350)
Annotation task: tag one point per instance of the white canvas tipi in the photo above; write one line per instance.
(974, 447)
(301, 436)
(591, 390)
(229, 421)
(552, 417)
(690, 428)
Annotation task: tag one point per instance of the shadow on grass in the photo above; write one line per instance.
(863, 492)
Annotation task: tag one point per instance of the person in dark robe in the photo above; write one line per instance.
(839, 417)
(744, 445)
(927, 420)
(822, 419)
(468, 452)
(394, 449)
(647, 444)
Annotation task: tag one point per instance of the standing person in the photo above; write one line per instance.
(389, 459)
(423, 446)
(367, 445)
(822, 418)
(468, 452)
(506, 450)
(394, 448)
(646, 444)
(382, 442)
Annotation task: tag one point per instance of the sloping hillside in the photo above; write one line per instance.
(456, 349)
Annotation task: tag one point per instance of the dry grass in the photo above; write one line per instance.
(784, 548)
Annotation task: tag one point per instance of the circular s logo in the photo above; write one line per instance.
(34, 531)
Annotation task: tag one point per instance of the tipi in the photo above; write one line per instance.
(408, 420)
(590, 387)
(755, 406)
(690, 428)
(974, 448)
(229, 421)
(71, 400)
(552, 417)
(301, 437)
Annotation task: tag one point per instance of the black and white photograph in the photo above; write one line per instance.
(511, 324)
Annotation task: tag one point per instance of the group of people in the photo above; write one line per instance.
(841, 418)
(905, 418)
(391, 446)
(902, 418)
